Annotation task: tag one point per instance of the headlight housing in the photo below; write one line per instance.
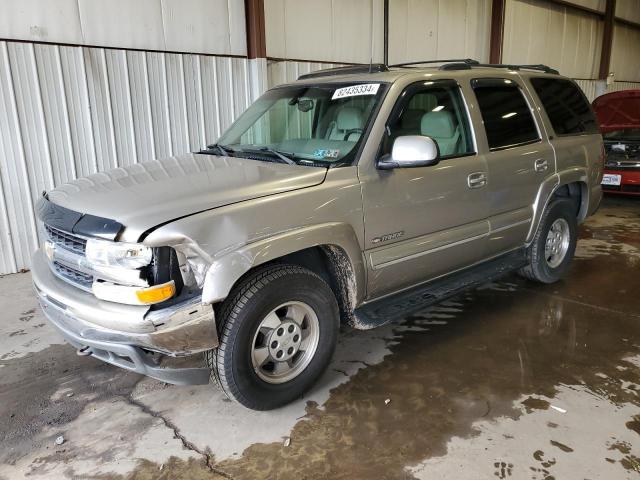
(118, 254)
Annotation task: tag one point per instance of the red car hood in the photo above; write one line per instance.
(618, 110)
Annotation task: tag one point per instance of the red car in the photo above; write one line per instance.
(619, 118)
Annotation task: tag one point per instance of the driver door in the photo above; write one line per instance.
(425, 222)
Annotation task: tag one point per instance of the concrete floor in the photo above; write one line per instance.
(511, 380)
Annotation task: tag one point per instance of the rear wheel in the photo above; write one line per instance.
(551, 252)
(279, 329)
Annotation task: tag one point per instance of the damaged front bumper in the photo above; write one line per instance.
(124, 335)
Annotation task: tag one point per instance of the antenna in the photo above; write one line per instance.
(371, 57)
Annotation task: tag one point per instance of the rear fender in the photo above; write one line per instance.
(550, 186)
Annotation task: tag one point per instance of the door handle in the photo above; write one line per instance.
(477, 180)
(540, 165)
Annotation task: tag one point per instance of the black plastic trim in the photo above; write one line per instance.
(75, 222)
(348, 70)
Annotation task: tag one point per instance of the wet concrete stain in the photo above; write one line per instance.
(531, 404)
(634, 424)
(28, 315)
(561, 446)
(28, 386)
(439, 382)
(630, 462)
(521, 339)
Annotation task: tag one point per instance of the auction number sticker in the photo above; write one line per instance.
(355, 90)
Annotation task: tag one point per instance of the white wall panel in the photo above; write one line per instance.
(199, 26)
(288, 71)
(598, 5)
(432, 29)
(41, 20)
(122, 23)
(71, 111)
(204, 26)
(628, 9)
(562, 38)
(625, 53)
(327, 30)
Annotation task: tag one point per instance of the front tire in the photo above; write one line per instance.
(551, 252)
(278, 332)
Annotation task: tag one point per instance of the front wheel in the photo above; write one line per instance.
(554, 244)
(278, 332)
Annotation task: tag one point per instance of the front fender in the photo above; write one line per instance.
(225, 271)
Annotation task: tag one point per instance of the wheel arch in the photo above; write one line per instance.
(571, 184)
(330, 250)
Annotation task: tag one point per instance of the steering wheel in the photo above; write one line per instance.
(351, 132)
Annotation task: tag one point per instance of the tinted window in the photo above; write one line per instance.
(506, 115)
(435, 110)
(566, 106)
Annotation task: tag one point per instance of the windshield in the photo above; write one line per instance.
(308, 124)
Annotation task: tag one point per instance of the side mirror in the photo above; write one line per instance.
(411, 151)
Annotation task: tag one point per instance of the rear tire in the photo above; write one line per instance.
(551, 252)
(261, 363)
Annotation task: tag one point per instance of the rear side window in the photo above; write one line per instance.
(566, 106)
(505, 113)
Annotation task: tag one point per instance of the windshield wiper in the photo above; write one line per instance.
(282, 156)
(226, 151)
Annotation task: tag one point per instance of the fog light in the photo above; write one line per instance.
(156, 294)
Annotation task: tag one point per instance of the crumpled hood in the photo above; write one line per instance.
(145, 195)
(618, 110)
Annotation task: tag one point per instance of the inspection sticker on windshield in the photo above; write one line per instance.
(354, 90)
(322, 153)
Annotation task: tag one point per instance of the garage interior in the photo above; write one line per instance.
(510, 380)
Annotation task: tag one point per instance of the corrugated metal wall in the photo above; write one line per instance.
(541, 32)
(590, 87)
(66, 112)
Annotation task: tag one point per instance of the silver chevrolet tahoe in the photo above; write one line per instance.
(354, 195)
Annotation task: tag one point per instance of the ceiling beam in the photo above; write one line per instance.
(256, 39)
(497, 31)
(386, 32)
(607, 39)
(577, 8)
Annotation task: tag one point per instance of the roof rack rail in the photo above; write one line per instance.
(466, 61)
(457, 66)
(467, 65)
(330, 72)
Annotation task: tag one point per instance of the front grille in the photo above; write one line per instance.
(66, 240)
(76, 277)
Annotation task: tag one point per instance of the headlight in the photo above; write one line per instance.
(118, 254)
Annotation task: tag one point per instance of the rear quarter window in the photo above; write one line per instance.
(506, 115)
(567, 108)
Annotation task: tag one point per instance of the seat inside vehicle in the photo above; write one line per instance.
(347, 126)
(442, 127)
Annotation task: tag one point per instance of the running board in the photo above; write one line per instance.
(398, 306)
